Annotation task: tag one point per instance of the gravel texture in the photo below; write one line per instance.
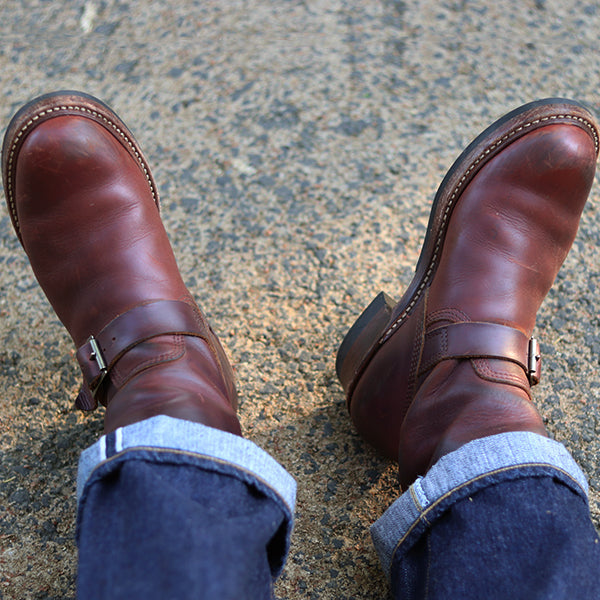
(297, 145)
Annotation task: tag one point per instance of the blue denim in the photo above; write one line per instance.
(502, 517)
(170, 509)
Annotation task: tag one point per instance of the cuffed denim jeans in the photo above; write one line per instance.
(174, 510)
(170, 509)
(503, 517)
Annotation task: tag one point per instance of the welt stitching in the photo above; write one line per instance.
(452, 200)
(96, 114)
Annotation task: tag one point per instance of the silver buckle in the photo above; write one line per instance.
(534, 362)
(96, 355)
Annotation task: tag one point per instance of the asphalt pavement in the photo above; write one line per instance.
(297, 146)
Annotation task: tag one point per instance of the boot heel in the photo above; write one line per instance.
(361, 337)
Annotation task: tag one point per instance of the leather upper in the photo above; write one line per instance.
(85, 206)
(499, 249)
(101, 352)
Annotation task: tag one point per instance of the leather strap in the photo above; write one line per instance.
(481, 340)
(101, 351)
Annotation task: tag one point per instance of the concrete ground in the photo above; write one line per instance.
(297, 145)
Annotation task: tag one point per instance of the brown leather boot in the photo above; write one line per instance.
(453, 360)
(85, 208)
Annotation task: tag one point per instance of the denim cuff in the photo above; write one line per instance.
(229, 453)
(492, 455)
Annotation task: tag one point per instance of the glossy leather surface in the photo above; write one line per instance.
(500, 249)
(85, 207)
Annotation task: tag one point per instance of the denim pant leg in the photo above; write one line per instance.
(170, 509)
(502, 517)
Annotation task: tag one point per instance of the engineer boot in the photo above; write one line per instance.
(85, 208)
(454, 360)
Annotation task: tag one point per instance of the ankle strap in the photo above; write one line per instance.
(482, 340)
(101, 351)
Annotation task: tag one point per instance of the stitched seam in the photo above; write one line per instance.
(484, 369)
(453, 315)
(191, 454)
(442, 336)
(64, 108)
(414, 498)
(428, 568)
(423, 515)
(416, 355)
(120, 378)
(452, 201)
